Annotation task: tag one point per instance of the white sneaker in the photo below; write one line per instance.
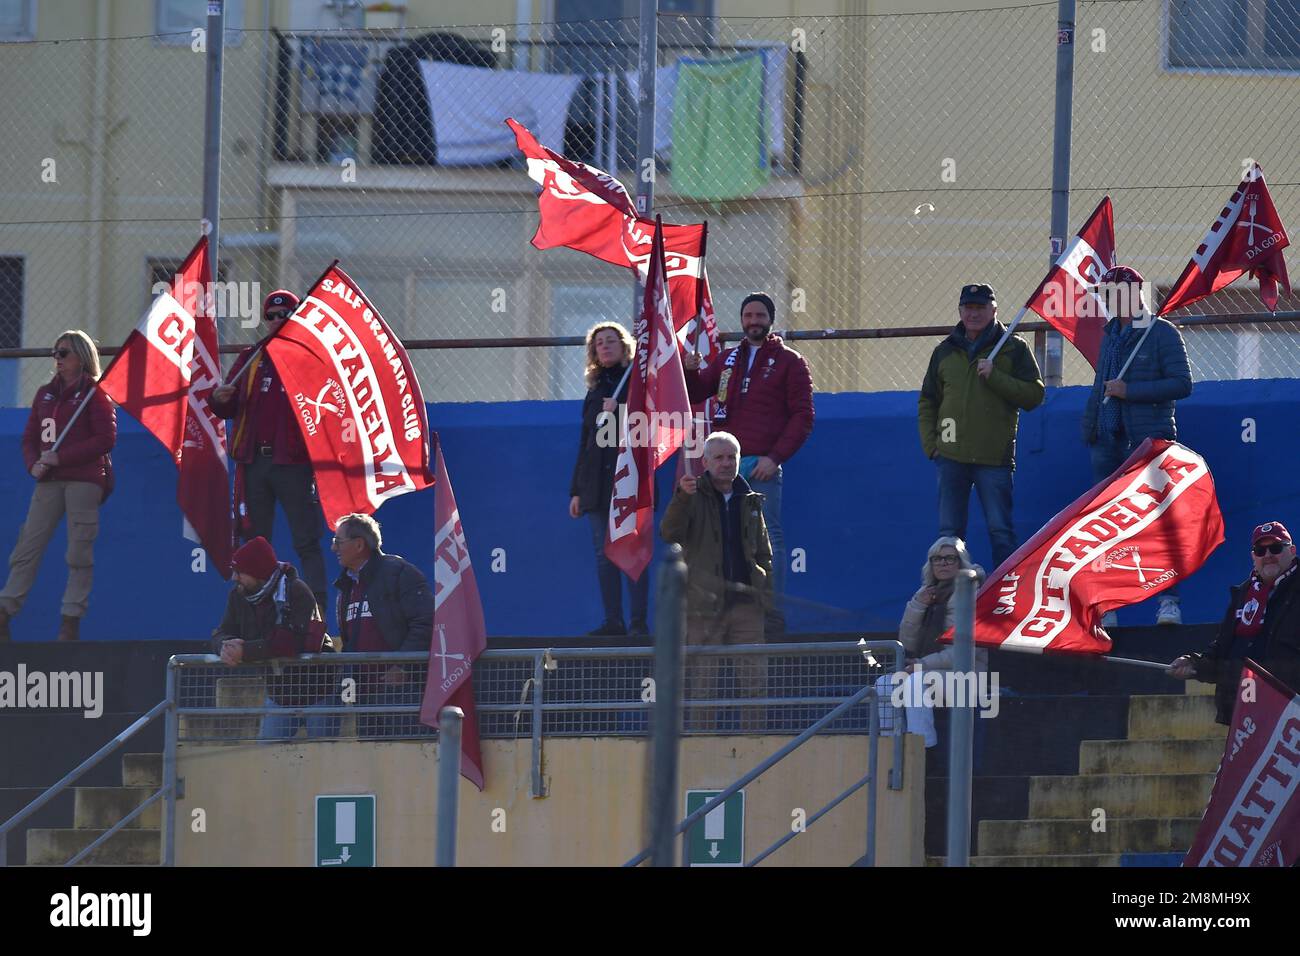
(1109, 619)
(1170, 612)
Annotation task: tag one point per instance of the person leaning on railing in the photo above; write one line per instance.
(928, 615)
(1262, 622)
(76, 479)
(271, 613)
(609, 352)
(384, 604)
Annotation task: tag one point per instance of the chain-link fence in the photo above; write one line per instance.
(861, 167)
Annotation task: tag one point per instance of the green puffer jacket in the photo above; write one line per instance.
(969, 419)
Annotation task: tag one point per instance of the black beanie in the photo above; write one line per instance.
(765, 299)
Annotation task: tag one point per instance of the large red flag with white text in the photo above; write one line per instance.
(163, 375)
(1253, 817)
(584, 208)
(658, 416)
(1247, 236)
(1152, 522)
(355, 397)
(1067, 298)
(459, 634)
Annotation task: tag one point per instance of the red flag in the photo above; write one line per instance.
(1067, 298)
(1248, 236)
(167, 367)
(356, 397)
(1253, 817)
(1152, 522)
(584, 208)
(459, 634)
(658, 418)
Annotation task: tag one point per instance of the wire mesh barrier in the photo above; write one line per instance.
(860, 166)
(776, 689)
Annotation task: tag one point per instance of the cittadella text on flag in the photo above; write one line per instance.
(53, 690)
(77, 909)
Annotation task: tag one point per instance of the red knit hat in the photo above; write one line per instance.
(256, 558)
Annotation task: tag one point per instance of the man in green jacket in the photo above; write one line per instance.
(718, 520)
(968, 413)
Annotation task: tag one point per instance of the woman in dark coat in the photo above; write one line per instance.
(609, 352)
(72, 480)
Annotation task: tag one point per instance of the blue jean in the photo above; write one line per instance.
(771, 492)
(610, 577)
(1108, 453)
(993, 484)
(285, 726)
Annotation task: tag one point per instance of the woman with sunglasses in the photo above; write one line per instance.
(1262, 623)
(73, 479)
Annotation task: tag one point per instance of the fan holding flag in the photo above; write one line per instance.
(1141, 373)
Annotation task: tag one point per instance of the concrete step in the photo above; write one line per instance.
(142, 770)
(1173, 716)
(1053, 837)
(103, 807)
(1084, 859)
(1122, 796)
(54, 847)
(1150, 756)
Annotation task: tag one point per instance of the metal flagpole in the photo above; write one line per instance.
(961, 734)
(216, 38)
(1132, 355)
(1050, 360)
(647, 58)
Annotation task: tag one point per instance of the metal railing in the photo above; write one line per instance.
(167, 791)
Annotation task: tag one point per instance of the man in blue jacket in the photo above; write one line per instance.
(1141, 403)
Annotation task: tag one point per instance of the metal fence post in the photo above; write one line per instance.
(962, 735)
(666, 714)
(171, 730)
(1051, 351)
(873, 769)
(216, 40)
(539, 675)
(449, 721)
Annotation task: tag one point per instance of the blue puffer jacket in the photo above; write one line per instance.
(1158, 377)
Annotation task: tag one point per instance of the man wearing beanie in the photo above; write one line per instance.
(265, 441)
(271, 613)
(968, 415)
(762, 391)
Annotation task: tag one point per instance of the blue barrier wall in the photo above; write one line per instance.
(860, 500)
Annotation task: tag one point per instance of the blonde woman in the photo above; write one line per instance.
(74, 480)
(609, 353)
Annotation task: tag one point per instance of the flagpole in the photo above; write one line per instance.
(1154, 665)
(1132, 355)
(1007, 334)
(75, 415)
(262, 345)
(699, 289)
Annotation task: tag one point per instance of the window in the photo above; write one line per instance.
(17, 20)
(1234, 34)
(177, 19)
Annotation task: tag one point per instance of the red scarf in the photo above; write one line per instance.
(1250, 615)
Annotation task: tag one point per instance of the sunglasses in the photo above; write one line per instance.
(1275, 548)
(944, 559)
(60, 353)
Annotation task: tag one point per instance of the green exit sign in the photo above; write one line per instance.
(345, 830)
(718, 838)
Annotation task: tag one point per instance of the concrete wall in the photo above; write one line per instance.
(860, 502)
(259, 801)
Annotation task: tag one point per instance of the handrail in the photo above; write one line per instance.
(93, 760)
(159, 794)
(709, 806)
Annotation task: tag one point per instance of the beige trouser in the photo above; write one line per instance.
(50, 499)
(739, 624)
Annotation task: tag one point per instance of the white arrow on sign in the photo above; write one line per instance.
(347, 855)
(713, 850)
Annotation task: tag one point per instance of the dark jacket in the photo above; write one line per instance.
(984, 414)
(260, 394)
(84, 454)
(1158, 377)
(593, 472)
(695, 522)
(266, 637)
(775, 417)
(401, 603)
(1279, 637)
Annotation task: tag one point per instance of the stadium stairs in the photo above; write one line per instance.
(1077, 737)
